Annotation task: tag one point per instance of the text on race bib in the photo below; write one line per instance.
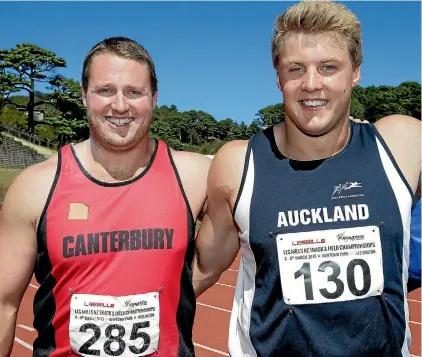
(330, 265)
(124, 326)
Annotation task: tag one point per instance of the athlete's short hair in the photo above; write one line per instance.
(314, 17)
(122, 47)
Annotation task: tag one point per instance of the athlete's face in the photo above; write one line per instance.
(316, 77)
(119, 101)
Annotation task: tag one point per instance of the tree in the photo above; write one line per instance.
(244, 131)
(228, 129)
(357, 110)
(409, 96)
(26, 64)
(271, 115)
(254, 128)
(8, 84)
(71, 123)
(10, 116)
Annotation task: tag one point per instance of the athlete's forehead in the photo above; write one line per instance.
(307, 48)
(110, 69)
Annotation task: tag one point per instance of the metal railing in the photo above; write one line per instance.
(26, 135)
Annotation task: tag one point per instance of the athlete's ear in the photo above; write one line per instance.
(84, 96)
(154, 99)
(356, 77)
(278, 81)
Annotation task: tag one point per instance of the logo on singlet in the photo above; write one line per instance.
(117, 241)
(339, 190)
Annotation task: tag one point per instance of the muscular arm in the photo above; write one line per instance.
(18, 248)
(402, 134)
(193, 171)
(217, 242)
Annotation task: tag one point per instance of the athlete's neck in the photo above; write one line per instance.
(296, 145)
(120, 166)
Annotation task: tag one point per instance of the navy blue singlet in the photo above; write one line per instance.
(325, 252)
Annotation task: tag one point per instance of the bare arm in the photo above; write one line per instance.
(402, 134)
(217, 243)
(193, 171)
(18, 249)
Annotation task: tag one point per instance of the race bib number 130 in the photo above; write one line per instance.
(124, 326)
(330, 265)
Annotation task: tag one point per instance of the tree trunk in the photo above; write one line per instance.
(31, 105)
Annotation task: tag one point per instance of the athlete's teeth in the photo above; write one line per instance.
(119, 121)
(314, 103)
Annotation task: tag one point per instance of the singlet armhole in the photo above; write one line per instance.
(393, 160)
(244, 174)
(41, 221)
(179, 181)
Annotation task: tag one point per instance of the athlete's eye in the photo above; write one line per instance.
(296, 70)
(329, 68)
(104, 91)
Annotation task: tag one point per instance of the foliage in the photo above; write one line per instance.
(71, 124)
(192, 130)
(24, 65)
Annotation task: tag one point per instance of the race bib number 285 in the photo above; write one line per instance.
(330, 265)
(125, 326)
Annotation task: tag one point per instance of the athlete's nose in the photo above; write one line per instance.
(311, 81)
(119, 103)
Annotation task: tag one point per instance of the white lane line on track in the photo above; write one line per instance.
(229, 286)
(26, 328)
(414, 322)
(211, 349)
(213, 307)
(414, 300)
(23, 343)
(236, 270)
(33, 286)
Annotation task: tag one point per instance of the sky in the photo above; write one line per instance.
(210, 56)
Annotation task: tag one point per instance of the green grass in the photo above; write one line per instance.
(6, 178)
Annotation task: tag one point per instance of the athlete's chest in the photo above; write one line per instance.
(330, 197)
(328, 222)
(89, 227)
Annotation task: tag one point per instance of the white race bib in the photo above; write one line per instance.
(125, 326)
(330, 265)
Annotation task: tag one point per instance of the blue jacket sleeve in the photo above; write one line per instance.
(415, 243)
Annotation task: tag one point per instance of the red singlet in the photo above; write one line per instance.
(114, 264)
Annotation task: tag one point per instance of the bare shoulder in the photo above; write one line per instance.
(226, 171)
(402, 135)
(191, 164)
(27, 194)
(192, 169)
(229, 162)
(397, 126)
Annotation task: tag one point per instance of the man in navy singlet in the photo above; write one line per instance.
(320, 206)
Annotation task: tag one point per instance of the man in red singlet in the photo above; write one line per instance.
(107, 226)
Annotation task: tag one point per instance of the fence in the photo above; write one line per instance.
(51, 144)
(14, 155)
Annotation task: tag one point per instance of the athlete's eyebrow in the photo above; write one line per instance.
(325, 60)
(288, 63)
(332, 60)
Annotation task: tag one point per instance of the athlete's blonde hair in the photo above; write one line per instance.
(314, 17)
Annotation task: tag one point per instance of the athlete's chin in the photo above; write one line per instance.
(315, 128)
(118, 143)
